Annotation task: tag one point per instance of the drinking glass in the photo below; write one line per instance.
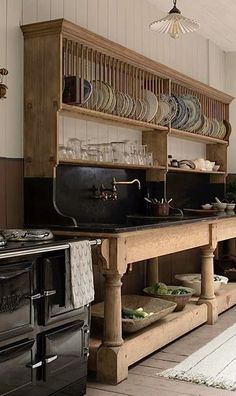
(118, 151)
(75, 145)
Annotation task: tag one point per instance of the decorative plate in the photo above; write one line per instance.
(181, 115)
(170, 108)
(194, 109)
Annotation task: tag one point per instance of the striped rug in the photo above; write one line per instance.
(213, 365)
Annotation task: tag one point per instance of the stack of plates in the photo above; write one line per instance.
(182, 112)
(188, 116)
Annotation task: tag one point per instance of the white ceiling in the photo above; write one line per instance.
(216, 17)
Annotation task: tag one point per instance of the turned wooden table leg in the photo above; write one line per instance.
(207, 284)
(112, 365)
(112, 311)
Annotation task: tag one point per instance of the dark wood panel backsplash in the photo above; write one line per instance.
(11, 192)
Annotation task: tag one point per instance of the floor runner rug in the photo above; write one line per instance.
(213, 365)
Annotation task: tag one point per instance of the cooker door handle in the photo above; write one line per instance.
(34, 296)
(50, 359)
(48, 293)
(34, 365)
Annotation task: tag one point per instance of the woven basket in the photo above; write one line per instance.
(160, 309)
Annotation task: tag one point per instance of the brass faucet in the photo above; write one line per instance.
(115, 182)
(106, 194)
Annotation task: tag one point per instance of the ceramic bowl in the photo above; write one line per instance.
(221, 206)
(180, 299)
(194, 281)
(216, 168)
(206, 206)
(230, 206)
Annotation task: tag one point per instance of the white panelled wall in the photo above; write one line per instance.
(123, 21)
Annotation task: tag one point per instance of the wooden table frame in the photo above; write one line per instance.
(113, 356)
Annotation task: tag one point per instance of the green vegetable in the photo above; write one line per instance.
(128, 313)
(160, 288)
(179, 291)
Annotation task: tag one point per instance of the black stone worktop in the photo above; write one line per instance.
(137, 223)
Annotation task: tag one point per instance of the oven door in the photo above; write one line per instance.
(65, 354)
(53, 289)
(17, 373)
(16, 306)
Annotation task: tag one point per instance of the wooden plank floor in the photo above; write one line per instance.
(142, 379)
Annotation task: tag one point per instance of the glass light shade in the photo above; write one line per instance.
(174, 24)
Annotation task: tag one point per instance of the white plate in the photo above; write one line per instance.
(152, 104)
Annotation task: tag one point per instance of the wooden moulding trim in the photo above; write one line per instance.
(73, 31)
(196, 137)
(42, 28)
(80, 112)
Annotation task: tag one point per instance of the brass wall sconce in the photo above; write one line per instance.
(3, 87)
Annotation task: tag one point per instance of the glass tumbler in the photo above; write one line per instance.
(118, 149)
(75, 145)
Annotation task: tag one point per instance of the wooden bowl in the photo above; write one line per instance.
(159, 307)
(180, 299)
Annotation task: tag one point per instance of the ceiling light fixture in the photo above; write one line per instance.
(174, 23)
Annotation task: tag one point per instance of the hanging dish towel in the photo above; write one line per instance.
(79, 275)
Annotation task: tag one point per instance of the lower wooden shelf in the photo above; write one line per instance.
(168, 329)
(174, 169)
(108, 164)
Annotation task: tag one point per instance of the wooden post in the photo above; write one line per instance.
(231, 246)
(112, 311)
(112, 365)
(152, 271)
(207, 284)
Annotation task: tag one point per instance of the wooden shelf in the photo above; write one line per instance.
(162, 332)
(158, 334)
(181, 170)
(108, 164)
(98, 116)
(196, 137)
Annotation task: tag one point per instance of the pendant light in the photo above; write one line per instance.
(174, 23)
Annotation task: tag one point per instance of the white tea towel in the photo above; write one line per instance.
(79, 274)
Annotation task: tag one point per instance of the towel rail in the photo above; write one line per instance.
(95, 242)
(16, 253)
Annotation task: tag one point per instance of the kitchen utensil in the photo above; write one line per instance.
(2, 241)
(147, 200)
(217, 200)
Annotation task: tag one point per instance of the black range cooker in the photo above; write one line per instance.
(43, 343)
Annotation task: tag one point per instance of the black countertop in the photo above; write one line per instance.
(137, 223)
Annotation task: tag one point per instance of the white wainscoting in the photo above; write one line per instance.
(124, 21)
